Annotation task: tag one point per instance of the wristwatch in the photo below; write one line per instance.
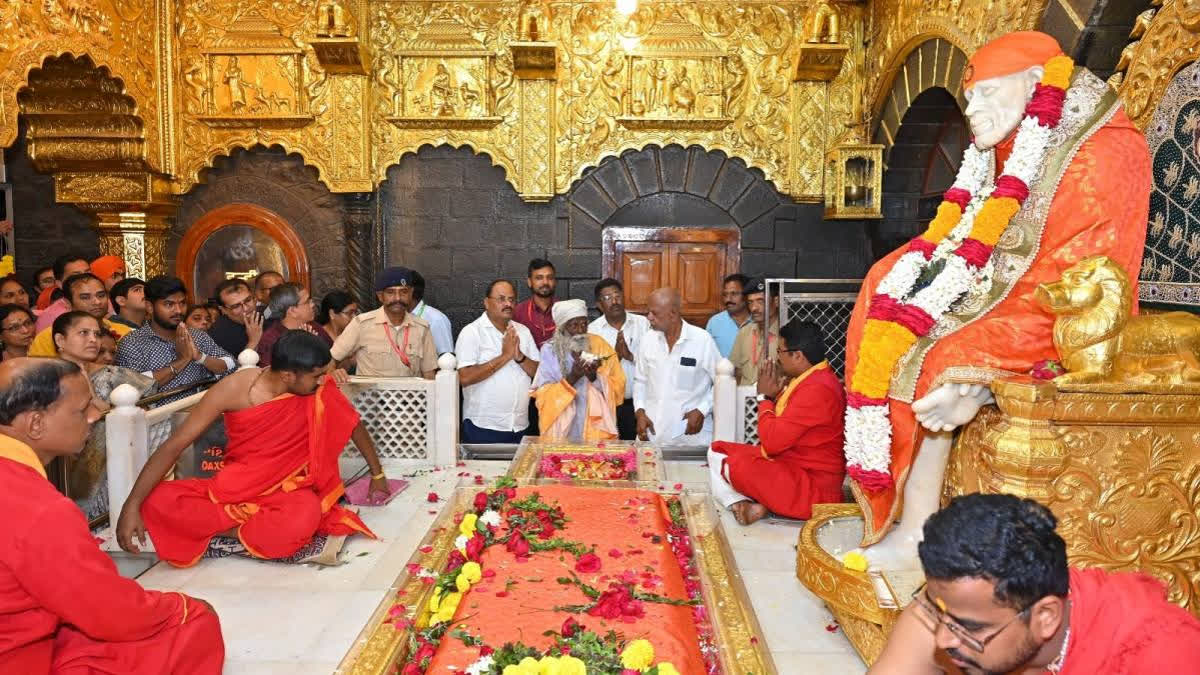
(522, 359)
(762, 397)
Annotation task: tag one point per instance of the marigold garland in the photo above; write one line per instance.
(900, 313)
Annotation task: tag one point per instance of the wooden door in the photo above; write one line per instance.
(691, 260)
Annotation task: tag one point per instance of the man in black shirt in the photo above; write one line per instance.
(240, 325)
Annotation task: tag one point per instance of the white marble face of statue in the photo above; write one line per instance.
(996, 106)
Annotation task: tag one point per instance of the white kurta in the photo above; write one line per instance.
(635, 328)
(670, 382)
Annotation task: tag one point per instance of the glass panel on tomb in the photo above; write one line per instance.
(240, 251)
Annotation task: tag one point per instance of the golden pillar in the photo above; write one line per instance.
(139, 237)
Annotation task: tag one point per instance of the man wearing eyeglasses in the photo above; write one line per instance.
(240, 326)
(798, 461)
(1000, 598)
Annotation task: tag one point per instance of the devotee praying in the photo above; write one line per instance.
(579, 380)
(290, 307)
(439, 323)
(280, 484)
(86, 293)
(12, 292)
(165, 348)
(748, 349)
(389, 341)
(999, 597)
(65, 266)
(724, 325)
(497, 359)
(198, 318)
(798, 461)
(16, 331)
(128, 297)
(66, 608)
(534, 312)
(623, 331)
(240, 325)
(110, 269)
(673, 378)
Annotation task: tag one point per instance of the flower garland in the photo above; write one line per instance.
(590, 466)
(962, 237)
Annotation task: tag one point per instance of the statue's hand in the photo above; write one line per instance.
(951, 406)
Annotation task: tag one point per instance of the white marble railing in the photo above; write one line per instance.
(735, 411)
(410, 419)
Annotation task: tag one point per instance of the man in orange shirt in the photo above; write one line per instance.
(63, 606)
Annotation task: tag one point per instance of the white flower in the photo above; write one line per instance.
(426, 573)
(588, 357)
(460, 542)
(490, 517)
(480, 667)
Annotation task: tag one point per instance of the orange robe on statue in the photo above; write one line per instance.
(279, 486)
(1100, 208)
(64, 608)
(800, 460)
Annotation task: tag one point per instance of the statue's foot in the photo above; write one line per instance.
(747, 512)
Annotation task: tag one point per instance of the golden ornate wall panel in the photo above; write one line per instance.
(1169, 37)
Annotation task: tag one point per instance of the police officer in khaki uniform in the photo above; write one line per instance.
(390, 341)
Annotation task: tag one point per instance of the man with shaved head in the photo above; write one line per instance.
(63, 605)
(673, 379)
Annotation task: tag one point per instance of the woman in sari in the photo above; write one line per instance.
(78, 336)
(16, 331)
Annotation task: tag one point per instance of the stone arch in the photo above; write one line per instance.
(681, 187)
(496, 159)
(932, 62)
(198, 175)
(282, 183)
(80, 118)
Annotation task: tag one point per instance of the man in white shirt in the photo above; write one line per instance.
(497, 359)
(673, 380)
(439, 323)
(623, 332)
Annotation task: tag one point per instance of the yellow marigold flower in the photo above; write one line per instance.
(435, 601)
(461, 583)
(447, 608)
(855, 561)
(472, 571)
(638, 655)
(467, 527)
(948, 215)
(1058, 72)
(549, 665)
(569, 665)
(527, 666)
(665, 668)
(993, 219)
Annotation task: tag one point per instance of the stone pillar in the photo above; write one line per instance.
(137, 236)
(361, 259)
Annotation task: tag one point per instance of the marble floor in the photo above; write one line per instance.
(301, 620)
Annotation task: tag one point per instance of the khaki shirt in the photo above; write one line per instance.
(747, 352)
(367, 336)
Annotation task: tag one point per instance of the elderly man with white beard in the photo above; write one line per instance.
(579, 381)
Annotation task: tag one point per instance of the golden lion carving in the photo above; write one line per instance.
(1100, 343)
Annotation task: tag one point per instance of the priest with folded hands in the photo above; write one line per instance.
(280, 484)
(799, 460)
(64, 608)
(579, 381)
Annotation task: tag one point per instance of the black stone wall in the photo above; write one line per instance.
(43, 229)
(451, 215)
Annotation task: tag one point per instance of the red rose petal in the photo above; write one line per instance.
(488, 574)
(432, 497)
(679, 486)
(615, 553)
(832, 628)
(426, 549)
(501, 594)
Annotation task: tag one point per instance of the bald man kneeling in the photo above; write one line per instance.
(673, 381)
(63, 606)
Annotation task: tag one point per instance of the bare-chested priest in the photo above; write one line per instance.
(64, 608)
(280, 483)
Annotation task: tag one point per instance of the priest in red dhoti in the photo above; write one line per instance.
(64, 608)
(798, 461)
(579, 382)
(1000, 598)
(1056, 173)
(280, 482)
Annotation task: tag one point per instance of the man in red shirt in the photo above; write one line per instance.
(63, 606)
(1000, 598)
(799, 460)
(534, 313)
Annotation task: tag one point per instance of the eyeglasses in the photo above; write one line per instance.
(611, 297)
(503, 299)
(939, 618)
(245, 304)
(18, 326)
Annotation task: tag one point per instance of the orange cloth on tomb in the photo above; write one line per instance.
(279, 485)
(1122, 623)
(1100, 208)
(1008, 54)
(799, 461)
(596, 516)
(64, 608)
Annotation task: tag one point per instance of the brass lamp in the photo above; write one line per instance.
(854, 181)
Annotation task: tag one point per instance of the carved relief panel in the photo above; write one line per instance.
(445, 80)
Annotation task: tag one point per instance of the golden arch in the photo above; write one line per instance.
(931, 61)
